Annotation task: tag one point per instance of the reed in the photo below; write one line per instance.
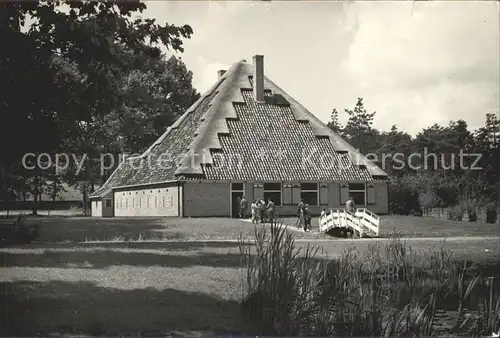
(390, 291)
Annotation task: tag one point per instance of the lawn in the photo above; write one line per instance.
(143, 288)
(58, 286)
(79, 229)
(413, 226)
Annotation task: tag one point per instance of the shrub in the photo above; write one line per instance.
(390, 291)
(472, 216)
(491, 213)
(403, 200)
(470, 206)
(456, 213)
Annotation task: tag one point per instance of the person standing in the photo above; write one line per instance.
(243, 207)
(300, 214)
(307, 217)
(270, 214)
(262, 210)
(270, 210)
(349, 205)
(254, 210)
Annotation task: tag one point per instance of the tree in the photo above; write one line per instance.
(395, 149)
(334, 123)
(488, 145)
(157, 97)
(61, 74)
(358, 129)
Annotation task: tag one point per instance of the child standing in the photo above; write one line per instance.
(307, 218)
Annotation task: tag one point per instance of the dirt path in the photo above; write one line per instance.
(332, 240)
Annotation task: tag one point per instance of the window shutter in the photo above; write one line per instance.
(258, 190)
(344, 193)
(296, 193)
(287, 193)
(323, 194)
(370, 194)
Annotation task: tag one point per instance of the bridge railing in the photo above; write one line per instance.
(359, 220)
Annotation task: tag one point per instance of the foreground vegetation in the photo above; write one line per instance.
(194, 287)
(389, 291)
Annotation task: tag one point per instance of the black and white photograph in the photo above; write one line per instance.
(243, 168)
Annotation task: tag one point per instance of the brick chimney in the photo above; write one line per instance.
(258, 78)
(220, 73)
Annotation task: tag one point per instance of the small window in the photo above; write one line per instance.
(358, 193)
(358, 197)
(309, 193)
(272, 186)
(309, 186)
(357, 186)
(275, 196)
(237, 186)
(273, 191)
(107, 203)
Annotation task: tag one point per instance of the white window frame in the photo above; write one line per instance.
(231, 190)
(356, 190)
(264, 190)
(308, 190)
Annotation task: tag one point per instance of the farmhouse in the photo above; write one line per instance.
(244, 137)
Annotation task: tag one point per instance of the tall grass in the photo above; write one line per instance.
(390, 291)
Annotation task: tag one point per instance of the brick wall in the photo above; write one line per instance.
(207, 199)
(443, 213)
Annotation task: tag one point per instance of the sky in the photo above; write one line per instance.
(414, 63)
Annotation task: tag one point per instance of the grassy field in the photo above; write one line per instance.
(143, 288)
(79, 229)
(58, 286)
(414, 226)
